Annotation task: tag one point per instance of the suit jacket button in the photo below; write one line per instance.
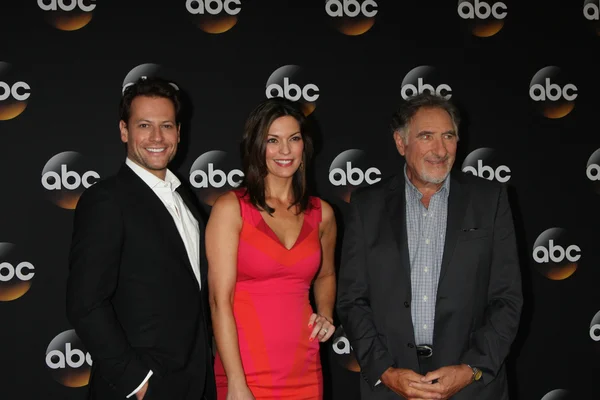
(411, 345)
(406, 304)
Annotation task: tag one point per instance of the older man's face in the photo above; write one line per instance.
(430, 147)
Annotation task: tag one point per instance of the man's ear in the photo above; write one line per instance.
(124, 131)
(400, 145)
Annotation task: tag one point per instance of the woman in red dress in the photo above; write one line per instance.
(267, 243)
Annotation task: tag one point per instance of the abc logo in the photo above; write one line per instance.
(15, 273)
(65, 177)
(552, 92)
(486, 19)
(414, 83)
(291, 82)
(68, 361)
(214, 16)
(352, 17)
(482, 163)
(353, 176)
(595, 327)
(67, 5)
(144, 71)
(591, 12)
(208, 175)
(13, 93)
(349, 171)
(343, 352)
(593, 170)
(554, 254)
(213, 7)
(68, 15)
(480, 9)
(557, 394)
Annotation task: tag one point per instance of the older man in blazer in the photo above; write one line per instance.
(136, 292)
(430, 288)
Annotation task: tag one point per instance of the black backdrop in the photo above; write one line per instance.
(63, 65)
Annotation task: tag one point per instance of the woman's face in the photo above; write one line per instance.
(285, 147)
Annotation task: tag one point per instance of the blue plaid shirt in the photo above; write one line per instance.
(426, 232)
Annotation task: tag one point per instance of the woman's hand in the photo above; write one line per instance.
(322, 327)
(239, 392)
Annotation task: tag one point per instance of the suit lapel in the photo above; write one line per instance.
(145, 197)
(395, 204)
(457, 206)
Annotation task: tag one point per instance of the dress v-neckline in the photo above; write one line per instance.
(276, 237)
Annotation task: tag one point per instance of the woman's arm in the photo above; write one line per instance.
(222, 238)
(324, 285)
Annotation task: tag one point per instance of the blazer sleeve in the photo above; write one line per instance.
(94, 263)
(490, 344)
(353, 304)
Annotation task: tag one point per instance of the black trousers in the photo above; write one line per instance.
(179, 386)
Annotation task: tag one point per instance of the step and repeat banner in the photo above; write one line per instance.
(524, 75)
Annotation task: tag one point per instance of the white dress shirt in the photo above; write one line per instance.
(186, 224)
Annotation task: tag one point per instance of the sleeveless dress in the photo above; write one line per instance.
(271, 309)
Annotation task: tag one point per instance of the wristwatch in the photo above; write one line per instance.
(476, 373)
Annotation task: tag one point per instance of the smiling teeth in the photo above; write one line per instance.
(283, 161)
(156, 150)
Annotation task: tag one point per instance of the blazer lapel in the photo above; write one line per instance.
(395, 204)
(457, 206)
(147, 198)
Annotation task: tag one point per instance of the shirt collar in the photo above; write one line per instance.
(444, 190)
(154, 182)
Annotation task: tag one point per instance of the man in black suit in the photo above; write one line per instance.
(430, 288)
(136, 293)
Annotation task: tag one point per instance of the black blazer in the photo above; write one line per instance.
(132, 296)
(479, 295)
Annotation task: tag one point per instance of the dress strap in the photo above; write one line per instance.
(248, 211)
(314, 215)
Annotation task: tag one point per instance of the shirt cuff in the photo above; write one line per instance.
(141, 385)
(378, 382)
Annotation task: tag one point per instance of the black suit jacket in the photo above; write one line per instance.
(132, 296)
(479, 295)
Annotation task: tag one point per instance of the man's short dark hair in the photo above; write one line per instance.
(150, 87)
(407, 110)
